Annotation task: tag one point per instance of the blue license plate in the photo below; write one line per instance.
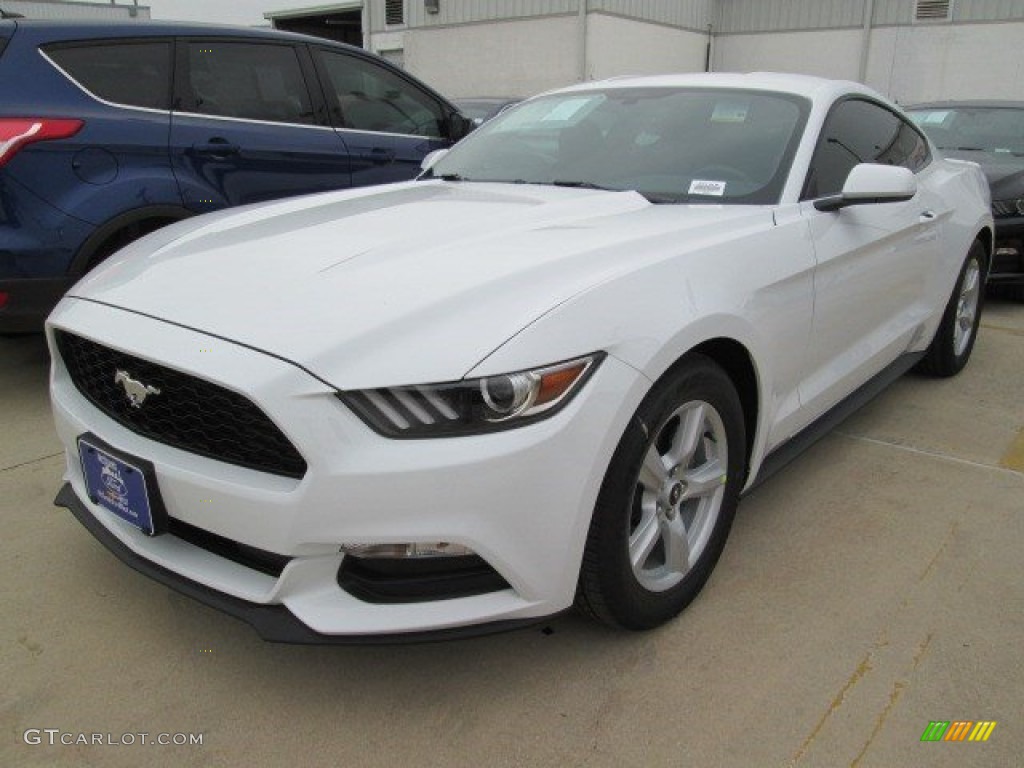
(117, 485)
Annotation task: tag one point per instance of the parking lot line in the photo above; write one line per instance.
(1014, 458)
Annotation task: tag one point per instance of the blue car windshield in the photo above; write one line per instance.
(672, 145)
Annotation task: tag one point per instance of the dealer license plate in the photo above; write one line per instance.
(117, 485)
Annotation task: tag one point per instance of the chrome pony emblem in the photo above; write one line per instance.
(137, 391)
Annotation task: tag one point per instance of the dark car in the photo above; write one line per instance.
(109, 131)
(991, 133)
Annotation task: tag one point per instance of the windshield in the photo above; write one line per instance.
(998, 130)
(671, 145)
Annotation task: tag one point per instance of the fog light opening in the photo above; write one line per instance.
(410, 550)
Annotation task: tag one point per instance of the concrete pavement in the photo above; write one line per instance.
(872, 587)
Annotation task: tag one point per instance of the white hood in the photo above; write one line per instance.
(409, 283)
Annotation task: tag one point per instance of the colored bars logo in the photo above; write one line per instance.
(958, 730)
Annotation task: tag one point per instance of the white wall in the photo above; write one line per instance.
(907, 63)
(960, 61)
(618, 46)
(509, 58)
(827, 53)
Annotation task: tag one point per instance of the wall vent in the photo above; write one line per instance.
(933, 10)
(394, 13)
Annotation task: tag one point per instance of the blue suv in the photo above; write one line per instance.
(110, 131)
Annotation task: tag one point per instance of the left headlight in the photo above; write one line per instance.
(472, 406)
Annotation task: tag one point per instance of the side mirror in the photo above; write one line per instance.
(870, 183)
(459, 126)
(431, 158)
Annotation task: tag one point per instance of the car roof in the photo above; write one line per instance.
(53, 30)
(814, 88)
(978, 104)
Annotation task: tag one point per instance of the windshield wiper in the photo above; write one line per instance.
(966, 149)
(582, 185)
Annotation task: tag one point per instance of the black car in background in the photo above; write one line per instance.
(990, 133)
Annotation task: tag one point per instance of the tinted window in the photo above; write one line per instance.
(248, 80)
(136, 74)
(861, 132)
(988, 129)
(372, 98)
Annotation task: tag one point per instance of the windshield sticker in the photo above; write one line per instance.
(566, 109)
(730, 112)
(712, 188)
(934, 118)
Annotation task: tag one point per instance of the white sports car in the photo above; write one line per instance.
(542, 374)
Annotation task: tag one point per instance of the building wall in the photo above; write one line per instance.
(510, 58)
(950, 61)
(694, 15)
(907, 63)
(613, 43)
(469, 12)
(520, 47)
(40, 9)
(827, 53)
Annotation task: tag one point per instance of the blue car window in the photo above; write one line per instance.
(372, 98)
(130, 73)
(251, 81)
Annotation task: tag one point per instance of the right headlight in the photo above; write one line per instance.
(1011, 207)
(472, 406)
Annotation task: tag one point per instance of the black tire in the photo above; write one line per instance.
(610, 589)
(945, 357)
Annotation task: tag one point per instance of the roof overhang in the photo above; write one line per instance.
(315, 10)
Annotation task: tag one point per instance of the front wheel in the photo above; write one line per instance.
(954, 340)
(667, 500)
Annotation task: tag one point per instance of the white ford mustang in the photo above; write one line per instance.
(542, 374)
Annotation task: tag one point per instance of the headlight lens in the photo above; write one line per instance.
(1012, 207)
(472, 406)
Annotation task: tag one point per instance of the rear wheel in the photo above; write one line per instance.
(667, 501)
(954, 340)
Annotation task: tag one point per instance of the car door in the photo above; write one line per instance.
(250, 124)
(388, 122)
(872, 260)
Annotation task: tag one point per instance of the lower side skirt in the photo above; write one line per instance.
(840, 412)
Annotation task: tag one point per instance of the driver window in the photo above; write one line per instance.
(855, 132)
(371, 98)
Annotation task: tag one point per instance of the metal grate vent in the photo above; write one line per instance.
(188, 413)
(933, 10)
(394, 12)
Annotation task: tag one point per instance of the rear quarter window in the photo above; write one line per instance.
(136, 74)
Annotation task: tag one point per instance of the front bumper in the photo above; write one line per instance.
(273, 623)
(521, 499)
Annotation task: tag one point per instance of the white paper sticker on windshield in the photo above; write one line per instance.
(729, 112)
(703, 187)
(566, 109)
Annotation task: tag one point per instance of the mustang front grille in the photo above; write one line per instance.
(177, 409)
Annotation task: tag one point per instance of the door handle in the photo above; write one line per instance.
(379, 155)
(926, 216)
(217, 148)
